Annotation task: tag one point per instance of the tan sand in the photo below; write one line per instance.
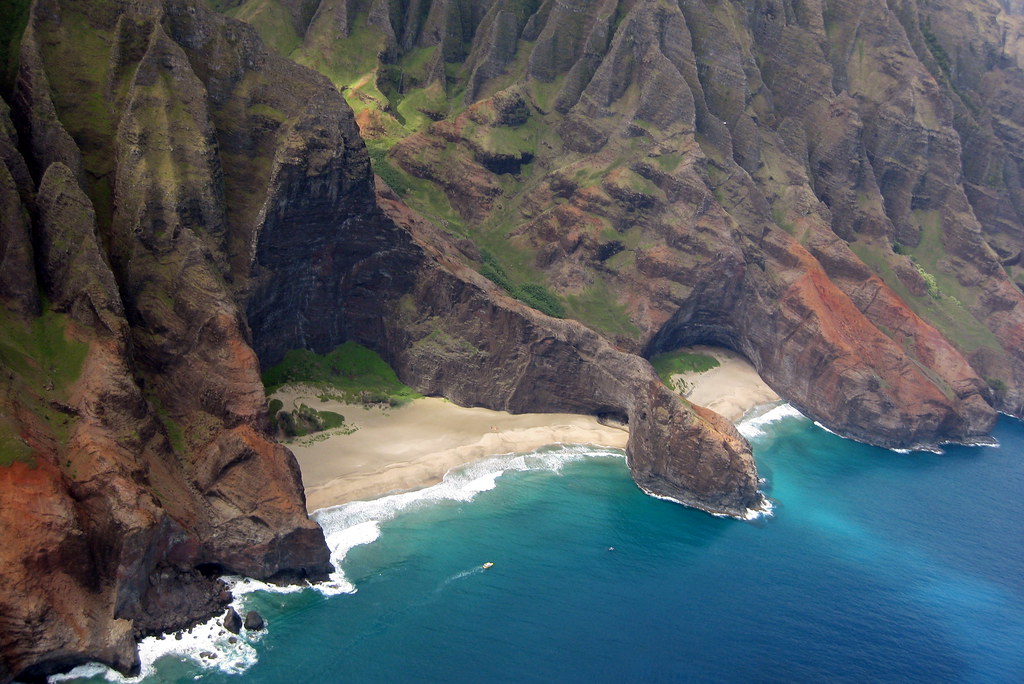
(732, 388)
(414, 445)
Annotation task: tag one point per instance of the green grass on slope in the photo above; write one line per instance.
(597, 308)
(403, 101)
(537, 296)
(40, 364)
(350, 373)
(947, 303)
(672, 363)
(270, 19)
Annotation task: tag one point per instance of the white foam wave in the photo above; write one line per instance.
(208, 645)
(766, 510)
(345, 527)
(358, 522)
(754, 427)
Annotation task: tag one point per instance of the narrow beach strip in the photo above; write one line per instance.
(413, 446)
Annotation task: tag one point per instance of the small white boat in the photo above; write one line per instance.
(487, 565)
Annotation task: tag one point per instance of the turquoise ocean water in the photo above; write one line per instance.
(875, 566)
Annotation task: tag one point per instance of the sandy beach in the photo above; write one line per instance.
(413, 446)
(732, 388)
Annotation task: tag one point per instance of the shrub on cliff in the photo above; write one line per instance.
(350, 373)
(539, 297)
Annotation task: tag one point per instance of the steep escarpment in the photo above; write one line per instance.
(456, 334)
(804, 182)
(832, 189)
(175, 197)
(137, 466)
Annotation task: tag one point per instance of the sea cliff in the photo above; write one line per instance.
(564, 189)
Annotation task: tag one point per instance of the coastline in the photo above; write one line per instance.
(732, 388)
(413, 446)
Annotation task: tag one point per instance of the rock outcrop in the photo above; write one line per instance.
(456, 334)
(137, 464)
(182, 197)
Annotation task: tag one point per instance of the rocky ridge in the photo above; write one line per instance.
(628, 155)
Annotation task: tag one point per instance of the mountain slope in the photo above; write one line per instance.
(179, 205)
(832, 189)
(628, 155)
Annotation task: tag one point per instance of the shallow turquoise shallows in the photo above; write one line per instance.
(875, 567)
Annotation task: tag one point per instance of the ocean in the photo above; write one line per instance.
(874, 566)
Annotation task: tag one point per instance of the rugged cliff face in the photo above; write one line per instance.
(137, 464)
(828, 188)
(831, 188)
(175, 196)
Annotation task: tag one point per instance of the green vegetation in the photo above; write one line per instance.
(273, 408)
(929, 281)
(673, 363)
(540, 298)
(40, 351)
(305, 420)
(935, 47)
(12, 447)
(669, 162)
(391, 175)
(77, 58)
(174, 431)
(41, 364)
(596, 307)
(532, 294)
(420, 194)
(270, 19)
(351, 373)
(945, 311)
(779, 218)
(997, 384)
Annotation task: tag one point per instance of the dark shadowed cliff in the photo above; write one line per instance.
(831, 188)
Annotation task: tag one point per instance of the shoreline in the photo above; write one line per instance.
(732, 388)
(397, 449)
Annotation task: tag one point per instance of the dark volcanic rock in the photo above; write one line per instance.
(457, 335)
(233, 621)
(771, 174)
(153, 471)
(254, 621)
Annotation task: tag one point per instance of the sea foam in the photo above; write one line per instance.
(349, 524)
(755, 427)
(196, 644)
(345, 527)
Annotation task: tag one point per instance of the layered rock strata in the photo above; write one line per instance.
(174, 197)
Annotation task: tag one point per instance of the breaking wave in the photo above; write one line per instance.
(755, 426)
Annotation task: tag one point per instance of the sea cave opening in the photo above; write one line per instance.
(703, 360)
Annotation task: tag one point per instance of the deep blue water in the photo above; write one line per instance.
(876, 566)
